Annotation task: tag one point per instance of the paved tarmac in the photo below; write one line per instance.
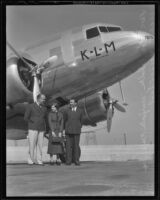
(131, 178)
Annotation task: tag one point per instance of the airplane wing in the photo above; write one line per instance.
(96, 108)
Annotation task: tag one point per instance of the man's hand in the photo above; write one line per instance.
(53, 134)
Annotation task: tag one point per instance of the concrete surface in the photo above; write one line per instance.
(131, 178)
(92, 153)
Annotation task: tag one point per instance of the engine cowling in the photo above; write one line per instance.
(94, 109)
(19, 81)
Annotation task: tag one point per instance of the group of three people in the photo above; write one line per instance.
(69, 123)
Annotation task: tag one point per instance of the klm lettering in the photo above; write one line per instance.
(108, 46)
(83, 55)
(86, 54)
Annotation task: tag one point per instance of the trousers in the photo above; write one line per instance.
(35, 139)
(72, 148)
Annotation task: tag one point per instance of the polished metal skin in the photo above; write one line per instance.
(82, 66)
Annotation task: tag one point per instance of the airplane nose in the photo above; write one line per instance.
(146, 42)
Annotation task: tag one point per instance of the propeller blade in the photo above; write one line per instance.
(34, 70)
(18, 55)
(109, 117)
(119, 107)
(36, 88)
(23, 69)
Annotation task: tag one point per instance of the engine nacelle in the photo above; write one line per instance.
(19, 81)
(94, 109)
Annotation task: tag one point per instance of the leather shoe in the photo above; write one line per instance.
(68, 163)
(77, 163)
(30, 162)
(39, 162)
(58, 162)
(51, 163)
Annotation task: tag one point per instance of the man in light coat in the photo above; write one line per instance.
(35, 115)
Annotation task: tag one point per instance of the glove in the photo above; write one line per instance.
(60, 134)
(63, 134)
(53, 134)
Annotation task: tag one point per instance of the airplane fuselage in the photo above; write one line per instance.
(93, 65)
(87, 65)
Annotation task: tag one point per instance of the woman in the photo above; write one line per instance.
(55, 120)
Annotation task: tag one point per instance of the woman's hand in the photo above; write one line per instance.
(53, 134)
(63, 133)
(60, 134)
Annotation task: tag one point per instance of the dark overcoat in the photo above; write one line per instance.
(36, 117)
(73, 121)
(55, 121)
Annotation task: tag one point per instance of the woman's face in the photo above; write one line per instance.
(54, 109)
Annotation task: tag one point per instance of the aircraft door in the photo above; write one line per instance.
(67, 48)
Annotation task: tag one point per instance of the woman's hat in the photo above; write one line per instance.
(55, 105)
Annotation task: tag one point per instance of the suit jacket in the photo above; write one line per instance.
(73, 121)
(36, 116)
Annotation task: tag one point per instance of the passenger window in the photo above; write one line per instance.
(103, 29)
(93, 32)
(111, 29)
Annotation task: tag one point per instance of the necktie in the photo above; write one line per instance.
(57, 116)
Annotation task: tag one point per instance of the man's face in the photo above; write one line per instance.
(72, 103)
(42, 100)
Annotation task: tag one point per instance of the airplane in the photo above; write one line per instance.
(79, 63)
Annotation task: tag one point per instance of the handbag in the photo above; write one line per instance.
(57, 139)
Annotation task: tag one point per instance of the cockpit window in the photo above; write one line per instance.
(111, 28)
(103, 29)
(92, 32)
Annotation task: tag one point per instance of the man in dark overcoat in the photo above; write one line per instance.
(35, 115)
(73, 124)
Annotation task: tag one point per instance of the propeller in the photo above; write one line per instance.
(118, 106)
(18, 55)
(36, 88)
(34, 70)
(109, 117)
(110, 104)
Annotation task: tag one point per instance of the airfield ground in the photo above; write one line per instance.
(104, 171)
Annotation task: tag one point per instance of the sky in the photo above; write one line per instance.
(26, 25)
